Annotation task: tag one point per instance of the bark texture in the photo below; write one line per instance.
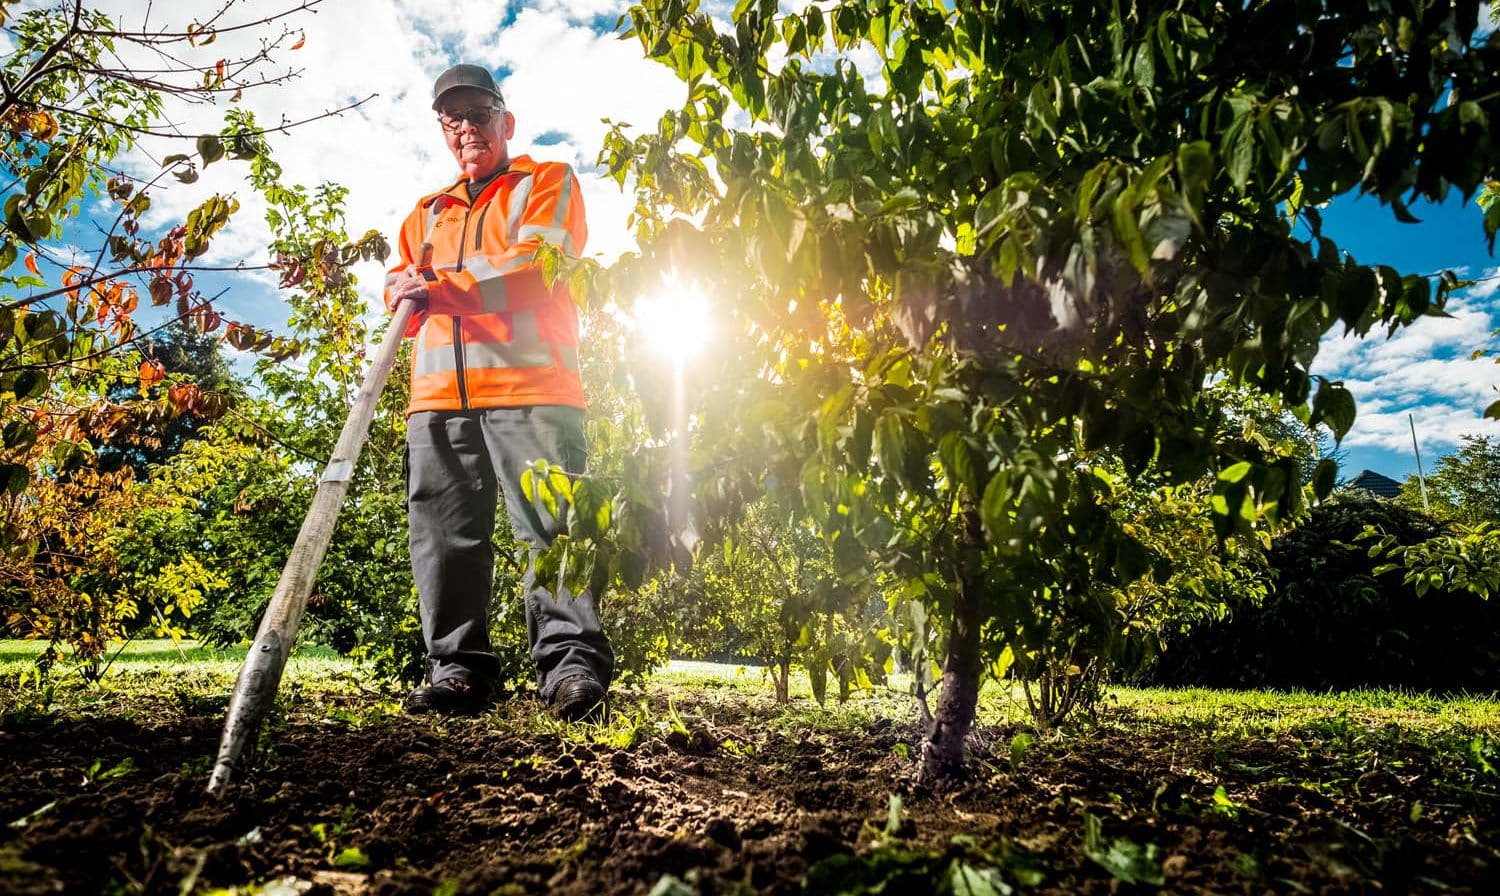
(943, 749)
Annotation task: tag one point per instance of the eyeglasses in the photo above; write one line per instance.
(453, 122)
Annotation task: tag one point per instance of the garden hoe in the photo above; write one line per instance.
(260, 676)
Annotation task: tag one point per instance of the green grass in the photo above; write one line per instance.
(199, 675)
(137, 657)
(1273, 711)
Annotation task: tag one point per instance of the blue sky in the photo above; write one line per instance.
(1426, 372)
(562, 73)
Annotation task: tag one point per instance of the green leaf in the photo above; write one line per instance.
(1324, 477)
(670, 885)
(1125, 860)
(1195, 168)
(1018, 747)
(1334, 405)
(17, 477)
(989, 208)
(994, 508)
(1239, 150)
(882, 132)
(210, 148)
(351, 857)
(1234, 472)
(960, 461)
(966, 880)
(893, 444)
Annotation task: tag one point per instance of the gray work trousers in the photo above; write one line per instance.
(459, 463)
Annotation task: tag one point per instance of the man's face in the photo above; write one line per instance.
(479, 148)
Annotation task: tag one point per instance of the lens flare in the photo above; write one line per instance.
(675, 321)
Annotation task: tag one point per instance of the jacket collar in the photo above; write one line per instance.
(458, 192)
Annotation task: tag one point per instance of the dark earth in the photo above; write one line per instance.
(720, 793)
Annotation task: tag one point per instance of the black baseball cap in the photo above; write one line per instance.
(464, 75)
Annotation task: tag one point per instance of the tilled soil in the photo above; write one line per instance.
(754, 804)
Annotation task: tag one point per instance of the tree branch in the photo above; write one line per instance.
(279, 129)
(39, 68)
(147, 37)
(125, 272)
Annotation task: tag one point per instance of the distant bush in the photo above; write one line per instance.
(1338, 617)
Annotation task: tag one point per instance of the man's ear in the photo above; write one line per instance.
(509, 130)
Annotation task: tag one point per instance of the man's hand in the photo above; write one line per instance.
(409, 286)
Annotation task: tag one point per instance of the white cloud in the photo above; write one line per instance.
(560, 78)
(1485, 285)
(550, 89)
(1425, 370)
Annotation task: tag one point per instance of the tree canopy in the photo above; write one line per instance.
(958, 285)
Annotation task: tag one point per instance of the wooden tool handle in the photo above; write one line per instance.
(260, 676)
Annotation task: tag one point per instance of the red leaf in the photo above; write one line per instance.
(161, 290)
(31, 263)
(300, 42)
(183, 396)
(152, 372)
(219, 69)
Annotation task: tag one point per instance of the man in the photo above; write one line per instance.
(495, 385)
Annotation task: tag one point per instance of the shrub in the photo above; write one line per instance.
(1338, 615)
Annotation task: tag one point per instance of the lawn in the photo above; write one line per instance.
(701, 784)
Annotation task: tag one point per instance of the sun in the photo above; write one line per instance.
(674, 322)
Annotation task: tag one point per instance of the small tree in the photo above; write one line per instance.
(68, 108)
(770, 590)
(953, 288)
(1465, 485)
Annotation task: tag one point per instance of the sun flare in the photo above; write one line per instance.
(675, 321)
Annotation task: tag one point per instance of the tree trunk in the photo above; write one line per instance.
(943, 748)
(783, 676)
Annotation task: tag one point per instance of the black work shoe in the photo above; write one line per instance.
(580, 699)
(450, 697)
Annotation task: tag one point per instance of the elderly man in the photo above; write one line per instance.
(495, 385)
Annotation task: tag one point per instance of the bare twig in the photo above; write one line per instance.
(175, 36)
(278, 129)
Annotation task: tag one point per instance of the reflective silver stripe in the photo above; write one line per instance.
(490, 278)
(519, 195)
(526, 349)
(569, 356)
(558, 236)
(432, 216)
(421, 357)
(560, 214)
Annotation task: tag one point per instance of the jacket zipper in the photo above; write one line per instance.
(479, 226)
(458, 326)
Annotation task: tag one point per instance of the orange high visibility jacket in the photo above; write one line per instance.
(492, 334)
